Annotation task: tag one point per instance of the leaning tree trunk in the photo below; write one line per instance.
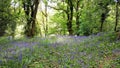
(103, 15)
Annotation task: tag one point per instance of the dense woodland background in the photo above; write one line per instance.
(61, 17)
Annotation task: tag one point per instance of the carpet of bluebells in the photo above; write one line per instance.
(94, 51)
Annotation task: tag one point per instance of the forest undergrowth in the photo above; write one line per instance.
(94, 51)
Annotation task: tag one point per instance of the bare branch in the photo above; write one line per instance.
(44, 14)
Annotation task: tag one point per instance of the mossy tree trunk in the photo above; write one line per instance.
(30, 8)
(116, 19)
(69, 16)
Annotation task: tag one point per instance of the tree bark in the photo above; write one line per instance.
(104, 14)
(34, 11)
(102, 21)
(77, 17)
(69, 17)
(46, 30)
(116, 20)
(30, 8)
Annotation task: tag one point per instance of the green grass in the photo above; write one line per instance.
(94, 52)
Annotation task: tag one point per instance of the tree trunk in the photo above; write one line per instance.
(102, 21)
(116, 20)
(46, 30)
(69, 17)
(104, 14)
(77, 17)
(30, 11)
(34, 11)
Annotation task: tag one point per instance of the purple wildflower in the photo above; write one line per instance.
(20, 57)
(10, 58)
(10, 49)
(72, 57)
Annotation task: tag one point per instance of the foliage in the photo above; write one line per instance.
(59, 22)
(87, 17)
(4, 16)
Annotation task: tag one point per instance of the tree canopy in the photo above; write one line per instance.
(63, 17)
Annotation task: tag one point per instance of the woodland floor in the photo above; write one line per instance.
(60, 52)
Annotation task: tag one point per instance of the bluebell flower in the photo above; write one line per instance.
(72, 57)
(20, 57)
(10, 49)
(10, 58)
